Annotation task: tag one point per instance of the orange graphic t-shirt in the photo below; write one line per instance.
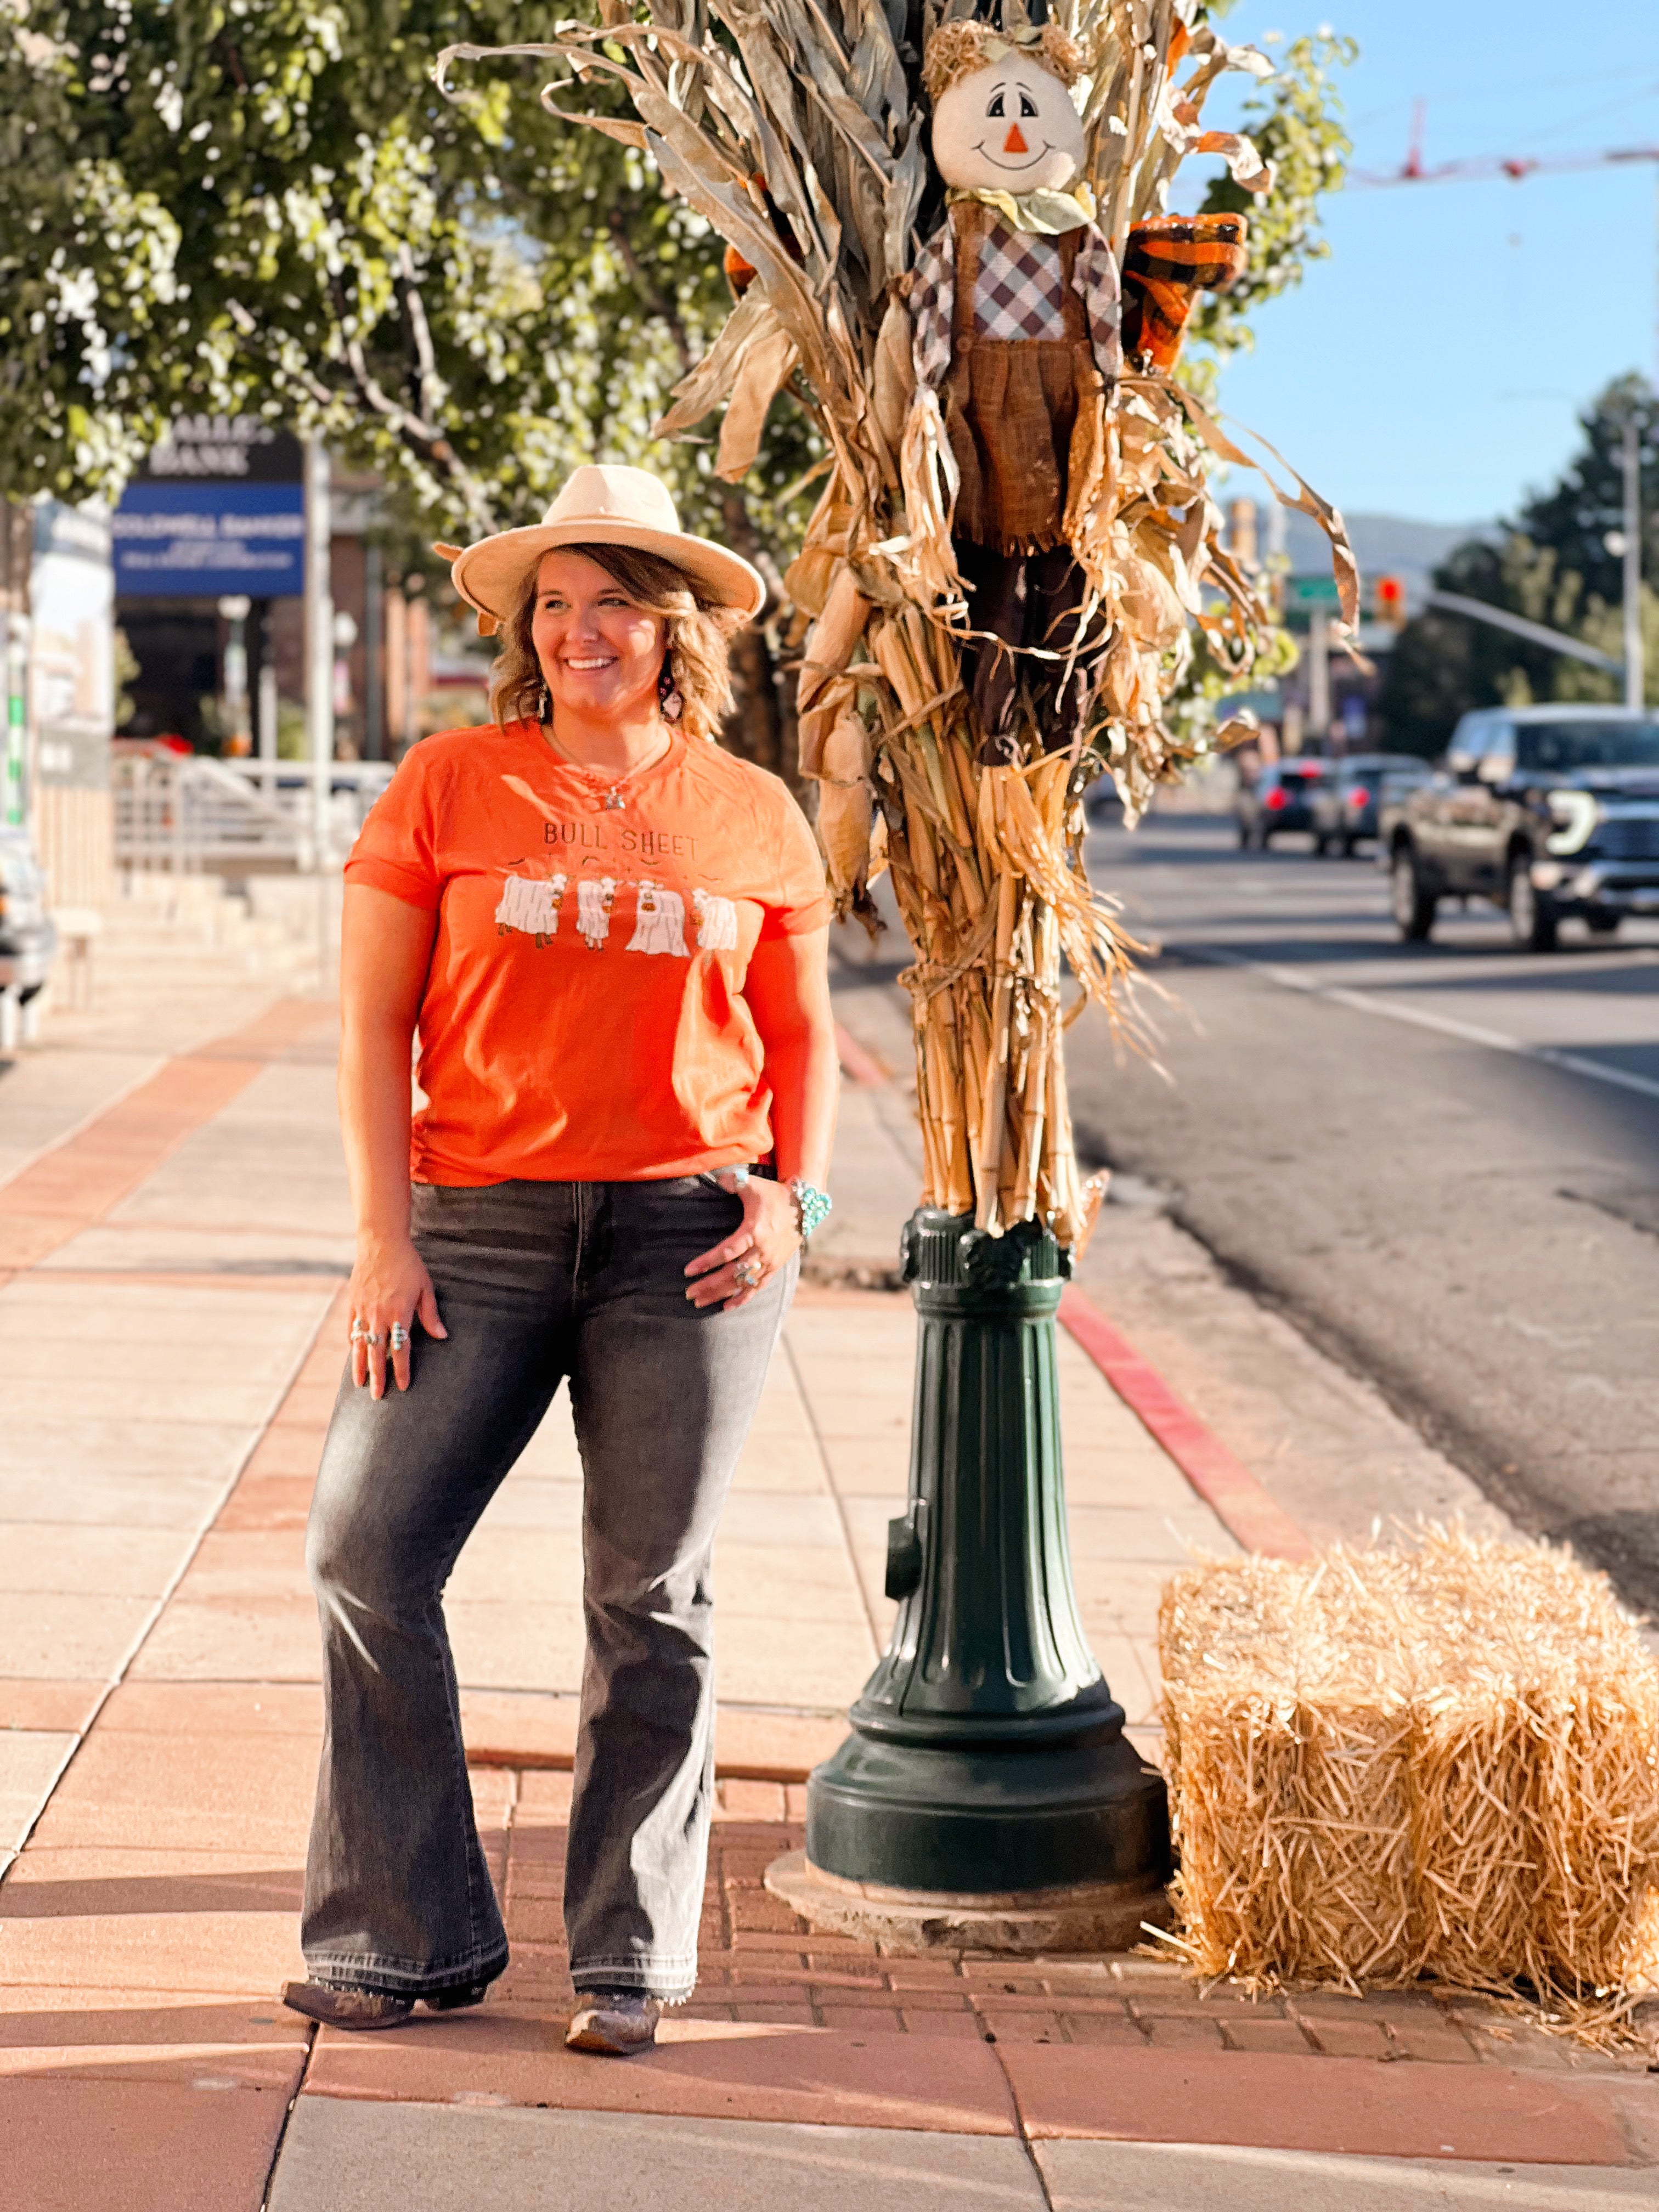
(584, 1019)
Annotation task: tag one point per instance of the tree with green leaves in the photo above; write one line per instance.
(1295, 120)
(89, 372)
(1554, 565)
(273, 210)
(467, 293)
(268, 206)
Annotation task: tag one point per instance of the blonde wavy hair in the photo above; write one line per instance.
(700, 633)
(956, 49)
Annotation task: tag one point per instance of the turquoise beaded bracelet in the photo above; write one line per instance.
(812, 1207)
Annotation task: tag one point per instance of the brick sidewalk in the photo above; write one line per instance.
(758, 1963)
(787, 2024)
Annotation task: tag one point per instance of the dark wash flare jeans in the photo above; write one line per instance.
(537, 1283)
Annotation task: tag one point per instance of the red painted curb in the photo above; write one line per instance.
(1232, 1493)
(1226, 1485)
(859, 1066)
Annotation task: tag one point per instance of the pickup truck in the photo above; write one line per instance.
(1547, 812)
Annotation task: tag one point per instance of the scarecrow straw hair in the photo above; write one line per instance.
(957, 50)
(1438, 1763)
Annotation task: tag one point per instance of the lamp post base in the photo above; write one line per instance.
(1092, 1916)
(1019, 1817)
(987, 1798)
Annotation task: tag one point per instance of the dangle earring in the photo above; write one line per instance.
(670, 703)
(544, 706)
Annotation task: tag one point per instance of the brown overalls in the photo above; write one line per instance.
(1013, 409)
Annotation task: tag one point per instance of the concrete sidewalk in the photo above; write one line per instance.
(174, 1238)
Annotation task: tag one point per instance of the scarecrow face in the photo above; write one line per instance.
(1009, 127)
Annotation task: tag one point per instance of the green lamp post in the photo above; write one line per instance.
(988, 1796)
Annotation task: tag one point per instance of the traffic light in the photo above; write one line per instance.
(1391, 601)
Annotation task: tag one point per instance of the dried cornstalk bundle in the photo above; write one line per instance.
(797, 128)
(1441, 1763)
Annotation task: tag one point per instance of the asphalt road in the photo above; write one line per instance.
(1441, 1162)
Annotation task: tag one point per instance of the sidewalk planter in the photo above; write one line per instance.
(987, 1776)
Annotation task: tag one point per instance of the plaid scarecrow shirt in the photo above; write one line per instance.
(1017, 296)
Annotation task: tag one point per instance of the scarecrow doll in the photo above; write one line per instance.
(1017, 325)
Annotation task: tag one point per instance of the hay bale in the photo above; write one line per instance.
(1438, 1762)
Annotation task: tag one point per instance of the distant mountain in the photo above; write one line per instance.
(1383, 545)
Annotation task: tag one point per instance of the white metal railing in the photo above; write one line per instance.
(191, 814)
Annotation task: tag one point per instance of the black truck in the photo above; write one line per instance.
(1548, 812)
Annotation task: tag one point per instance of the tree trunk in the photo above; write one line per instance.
(762, 725)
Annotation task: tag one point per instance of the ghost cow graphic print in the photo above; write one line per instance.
(585, 956)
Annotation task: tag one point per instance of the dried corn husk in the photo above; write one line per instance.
(831, 640)
(1438, 1762)
(845, 802)
(814, 96)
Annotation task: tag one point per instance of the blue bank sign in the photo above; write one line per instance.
(196, 540)
(218, 507)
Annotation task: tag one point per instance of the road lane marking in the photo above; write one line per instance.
(1288, 979)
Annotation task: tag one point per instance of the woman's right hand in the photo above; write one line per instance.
(390, 1288)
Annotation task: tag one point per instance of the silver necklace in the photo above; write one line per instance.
(610, 795)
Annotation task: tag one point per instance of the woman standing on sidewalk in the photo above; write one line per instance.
(611, 937)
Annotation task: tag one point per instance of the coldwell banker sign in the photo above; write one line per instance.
(219, 508)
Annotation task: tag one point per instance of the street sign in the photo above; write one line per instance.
(1312, 591)
(200, 540)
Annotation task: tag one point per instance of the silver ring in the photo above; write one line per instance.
(360, 1335)
(747, 1273)
(396, 1336)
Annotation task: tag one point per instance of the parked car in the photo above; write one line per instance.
(28, 936)
(1548, 812)
(1347, 803)
(1280, 798)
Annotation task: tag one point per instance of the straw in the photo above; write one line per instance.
(1439, 1763)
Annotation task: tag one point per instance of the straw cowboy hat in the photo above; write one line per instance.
(599, 506)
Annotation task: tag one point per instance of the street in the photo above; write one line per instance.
(1440, 1162)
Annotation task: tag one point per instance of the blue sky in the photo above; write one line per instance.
(1433, 366)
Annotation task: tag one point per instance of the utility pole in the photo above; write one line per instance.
(235, 609)
(16, 560)
(1635, 685)
(1412, 172)
(374, 654)
(1319, 675)
(318, 642)
(269, 709)
(1454, 603)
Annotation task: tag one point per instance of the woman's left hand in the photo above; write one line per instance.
(730, 1274)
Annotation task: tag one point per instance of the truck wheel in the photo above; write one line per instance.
(1533, 919)
(1602, 925)
(1414, 903)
